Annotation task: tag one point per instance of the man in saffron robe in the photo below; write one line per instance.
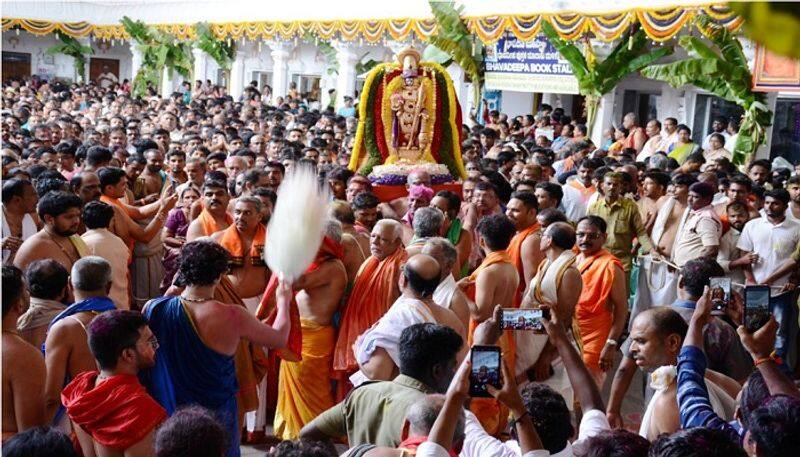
(493, 283)
(110, 410)
(214, 216)
(602, 308)
(523, 250)
(199, 336)
(304, 388)
(375, 289)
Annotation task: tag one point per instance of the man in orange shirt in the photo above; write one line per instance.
(602, 307)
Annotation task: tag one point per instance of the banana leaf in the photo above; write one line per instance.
(71, 47)
(621, 69)
(433, 54)
(454, 39)
(707, 74)
(219, 50)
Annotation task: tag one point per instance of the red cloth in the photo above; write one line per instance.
(118, 412)
(329, 249)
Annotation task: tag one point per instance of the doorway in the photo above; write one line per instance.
(96, 66)
(16, 65)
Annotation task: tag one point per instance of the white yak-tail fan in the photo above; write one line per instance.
(297, 224)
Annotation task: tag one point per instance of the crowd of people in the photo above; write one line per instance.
(140, 317)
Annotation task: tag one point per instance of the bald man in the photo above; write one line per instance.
(447, 294)
(377, 350)
(557, 283)
(66, 347)
(374, 291)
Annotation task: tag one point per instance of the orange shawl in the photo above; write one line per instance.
(233, 243)
(514, 251)
(329, 249)
(210, 225)
(491, 413)
(592, 313)
(373, 293)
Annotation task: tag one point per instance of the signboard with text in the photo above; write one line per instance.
(528, 66)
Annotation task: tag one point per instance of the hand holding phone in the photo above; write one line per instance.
(485, 370)
(756, 307)
(720, 294)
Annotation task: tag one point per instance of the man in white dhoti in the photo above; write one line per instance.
(377, 350)
(447, 294)
(558, 284)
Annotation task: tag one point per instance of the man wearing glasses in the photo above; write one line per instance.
(602, 308)
(112, 411)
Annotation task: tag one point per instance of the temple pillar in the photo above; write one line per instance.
(200, 64)
(237, 75)
(347, 58)
(136, 61)
(280, 68)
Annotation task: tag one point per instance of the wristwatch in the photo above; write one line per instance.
(612, 342)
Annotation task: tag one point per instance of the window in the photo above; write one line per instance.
(706, 108)
(264, 78)
(308, 86)
(786, 130)
(641, 104)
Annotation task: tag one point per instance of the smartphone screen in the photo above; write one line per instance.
(485, 370)
(524, 319)
(720, 294)
(756, 307)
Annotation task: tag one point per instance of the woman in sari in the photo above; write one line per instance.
(175, 228)
(685, 146)
(716, 148)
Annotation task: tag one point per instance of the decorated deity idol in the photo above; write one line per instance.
(409, 119)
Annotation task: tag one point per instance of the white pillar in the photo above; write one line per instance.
(136, 60)
(200, 64)
(237, 75)
(85, 41)
(604, 117)
(166, 83)
(280, 67)
(346, 80)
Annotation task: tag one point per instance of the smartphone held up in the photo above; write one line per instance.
(756, 307)
(486, 363)
(524, 319)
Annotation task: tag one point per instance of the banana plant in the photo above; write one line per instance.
(222, 51)
(453, 42)
(723, 71)
(71, 47)
(159, 50)
(596, 79)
